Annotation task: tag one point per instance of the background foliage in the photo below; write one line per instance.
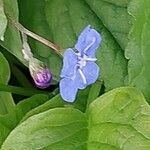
(106, 115)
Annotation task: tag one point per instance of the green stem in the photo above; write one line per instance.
(21, 90)
(37, 37)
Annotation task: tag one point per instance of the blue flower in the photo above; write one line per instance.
(79, 67)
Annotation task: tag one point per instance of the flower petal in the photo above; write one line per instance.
(91, 72)
(68, 89)
(69, 63)
(88, 41)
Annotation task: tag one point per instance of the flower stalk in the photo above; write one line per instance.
(46, 42)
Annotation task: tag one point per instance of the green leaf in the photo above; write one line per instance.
(3, 21)
(4, 70)
(12, 36)
(112, 63)
(138, 47)
(114, 16)
(35, 105)
(81, 99)
(28, 104)
(59, 128)
(9, 121)
(66, 24)
(57, 101)
(6, 100)
(94, 92)
(118, 120)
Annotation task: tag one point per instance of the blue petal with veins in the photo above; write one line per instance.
(79, 68)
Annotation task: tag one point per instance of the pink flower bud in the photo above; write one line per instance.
(40, 73)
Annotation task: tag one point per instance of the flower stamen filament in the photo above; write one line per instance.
(82, 76)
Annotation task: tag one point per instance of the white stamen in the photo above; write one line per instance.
(93, 40)
(82, 60)
(78, 54)
(82, 63)
(88, 58)
(82, 76)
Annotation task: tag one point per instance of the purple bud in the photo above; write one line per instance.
(40, 73)
(43, 78)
